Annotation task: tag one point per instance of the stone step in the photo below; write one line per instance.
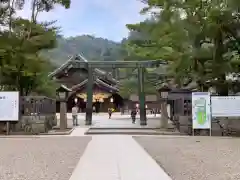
(143, 128)
(129, 131)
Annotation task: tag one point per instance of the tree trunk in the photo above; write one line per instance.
(222, 86)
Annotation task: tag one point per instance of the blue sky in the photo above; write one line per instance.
(101, 18)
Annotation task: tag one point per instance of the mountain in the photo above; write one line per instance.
(92, 48)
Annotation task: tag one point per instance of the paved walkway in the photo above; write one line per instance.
(116, 158)
(114, 115)
(79, 131)
(118, 121)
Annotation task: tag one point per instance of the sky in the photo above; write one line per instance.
(101, 18)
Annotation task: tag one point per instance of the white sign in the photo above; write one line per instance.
(201, 110)
(9, 106)
(225, 106)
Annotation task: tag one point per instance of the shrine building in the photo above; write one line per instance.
(105, 89)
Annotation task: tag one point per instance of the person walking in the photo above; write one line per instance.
(110, 113)
(75, 115)
(133, 115)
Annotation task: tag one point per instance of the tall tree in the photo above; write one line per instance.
(22, 68)
(195, 37)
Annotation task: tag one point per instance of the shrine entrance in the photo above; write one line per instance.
(101, 101)
(93, 80)
(139, 65)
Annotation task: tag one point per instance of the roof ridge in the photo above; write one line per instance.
(62, 66)
(79, 84)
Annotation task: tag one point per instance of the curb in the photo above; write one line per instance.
(39, 135)
(58, 133)
(130, 128)
(132, 133)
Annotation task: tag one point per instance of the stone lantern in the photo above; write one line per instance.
(62, 95)
(163, 91)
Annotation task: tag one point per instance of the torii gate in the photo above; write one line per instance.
(140, 65)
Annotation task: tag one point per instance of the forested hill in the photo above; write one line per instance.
(91, 47)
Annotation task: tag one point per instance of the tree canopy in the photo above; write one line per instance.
(22, 68)
(199, 40)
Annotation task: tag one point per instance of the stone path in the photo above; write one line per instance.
(79, 131)
(105, 115)
(116, 157)
(118, 121)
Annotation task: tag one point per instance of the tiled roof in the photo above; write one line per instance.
(65, 87)
(98, 82)
(79, 57)
(61, 68)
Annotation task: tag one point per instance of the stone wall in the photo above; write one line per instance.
(31, 125)
(184, 125)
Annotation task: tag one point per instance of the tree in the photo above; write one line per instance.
(21, 64)
(195, 37)
(139, 48)
(22, 68)
(39, 6)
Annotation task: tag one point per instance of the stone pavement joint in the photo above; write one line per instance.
(79, 131)
(117, 158)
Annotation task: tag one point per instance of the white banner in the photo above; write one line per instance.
(9, 106)
(201, 110)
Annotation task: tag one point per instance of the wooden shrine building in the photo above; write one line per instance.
(105, 90)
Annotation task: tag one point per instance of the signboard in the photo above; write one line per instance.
(9, 106)
(225, 106)
(201, 110)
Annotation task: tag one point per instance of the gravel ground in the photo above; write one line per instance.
(195, 158)
(40, 158)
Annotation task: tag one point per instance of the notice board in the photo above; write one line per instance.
(9, 106)
(225, 106)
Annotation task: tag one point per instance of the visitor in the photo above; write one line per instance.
(133, 115)
(122, 111)
(155, 112)
(75, 115)
(110, 113)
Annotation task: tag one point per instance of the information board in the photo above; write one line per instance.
(201, 110)
(225, 106)
(9, 106)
